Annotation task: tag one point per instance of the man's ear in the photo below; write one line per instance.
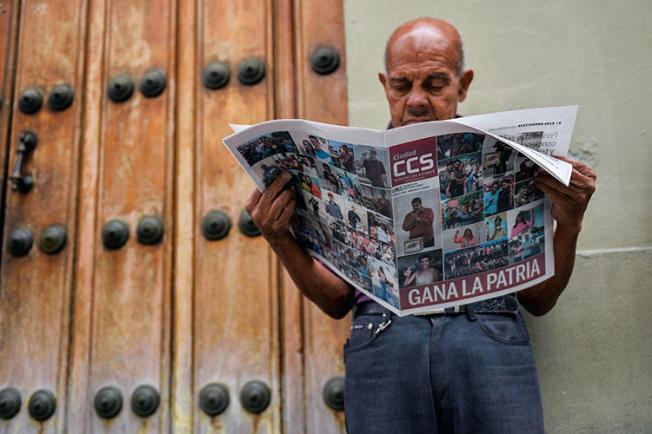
(382, 78)
(465, 82)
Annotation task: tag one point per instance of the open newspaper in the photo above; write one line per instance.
(425, 216)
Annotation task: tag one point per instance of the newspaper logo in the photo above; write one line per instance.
(413, 161)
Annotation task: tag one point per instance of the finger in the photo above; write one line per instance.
(579, 166)
(252, 200)
(283, 220)
(577, 189)
(279, 204)
(552, 183)
(274, 189)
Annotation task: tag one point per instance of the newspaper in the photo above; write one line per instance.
(422, 217)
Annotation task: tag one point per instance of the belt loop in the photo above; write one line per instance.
(470, 312)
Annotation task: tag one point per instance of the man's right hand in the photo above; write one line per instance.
(272, 209)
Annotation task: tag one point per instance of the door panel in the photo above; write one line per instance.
(8, 23)
(129, 330)
(235, 302)
(35, 289)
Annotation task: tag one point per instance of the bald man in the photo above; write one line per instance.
(464, 372)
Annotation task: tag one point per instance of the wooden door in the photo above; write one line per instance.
(149, 319)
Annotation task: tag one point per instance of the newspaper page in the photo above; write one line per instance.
(421, 217)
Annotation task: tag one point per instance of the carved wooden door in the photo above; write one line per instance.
(135, 296)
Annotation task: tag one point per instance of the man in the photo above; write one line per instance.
(418, 223)
(374, 169)
(333, 209)
(354, 219)
(437, 373)
(383, 205)
(491, 199)
(424, 275)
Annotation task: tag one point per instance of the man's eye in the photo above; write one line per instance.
(434, 87)
(401, 86)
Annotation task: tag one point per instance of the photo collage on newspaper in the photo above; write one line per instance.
(433, 222)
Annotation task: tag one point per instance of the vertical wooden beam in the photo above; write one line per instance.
(291, 307)
(9, 12)
(80, 409)
(183, 395)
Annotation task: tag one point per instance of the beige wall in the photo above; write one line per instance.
(593, 350)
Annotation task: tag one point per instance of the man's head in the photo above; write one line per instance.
(372, 154)
(416, 204)
(424, 76)
(314, 141)
(424, 262)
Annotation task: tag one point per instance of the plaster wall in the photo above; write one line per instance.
(593, 349)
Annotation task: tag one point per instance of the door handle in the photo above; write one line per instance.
(26, 145)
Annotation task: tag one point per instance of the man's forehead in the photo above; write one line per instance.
(423, 45)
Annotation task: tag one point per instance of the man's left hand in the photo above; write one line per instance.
(568, 203)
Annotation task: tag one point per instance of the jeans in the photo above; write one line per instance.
(454, 373)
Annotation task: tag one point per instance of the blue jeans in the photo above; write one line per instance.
(453, 373)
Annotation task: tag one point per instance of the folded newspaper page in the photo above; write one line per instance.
(425, 216)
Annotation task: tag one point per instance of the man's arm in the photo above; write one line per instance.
(272, 211)
(409, 222)
(568, 206)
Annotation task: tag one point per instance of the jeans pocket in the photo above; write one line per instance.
(365, 329)
(506, 328)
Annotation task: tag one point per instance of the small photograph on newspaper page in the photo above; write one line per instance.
(312, 145)
(309, 184)
(452, 145)
(310, 233)
(525, 192)
(524, 168)
(377, 199)
(383, 278)
(464, 236)
(353, 263)
(460, 175)
(416, 217)
(334, 206)
(328, 178)
(498, 158)
(496, 227)
(342, 155)
(420, 269)
(498, 194)
(487, 256)
(381, 228)
(278, 142)
(373, 248)
(314, 205)
(527, 232)
(462, 211)
(356, 217)
(372, 165)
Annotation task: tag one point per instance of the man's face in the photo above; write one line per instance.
(372, 155)
(424, 263)
(416, 206)
(421, 83)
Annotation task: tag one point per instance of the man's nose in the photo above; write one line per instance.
(417, 100)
